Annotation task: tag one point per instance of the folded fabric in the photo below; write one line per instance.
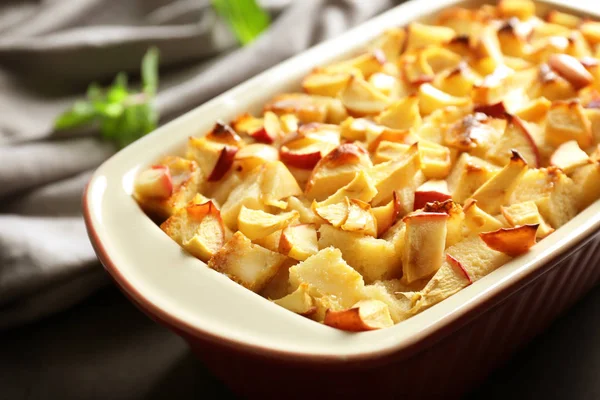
(49, 52)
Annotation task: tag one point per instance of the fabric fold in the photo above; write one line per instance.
(49, 52)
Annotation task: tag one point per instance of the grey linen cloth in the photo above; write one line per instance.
(50, 50)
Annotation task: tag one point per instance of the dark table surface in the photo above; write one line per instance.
(105, 349)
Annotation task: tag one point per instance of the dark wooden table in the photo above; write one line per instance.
(106, 349)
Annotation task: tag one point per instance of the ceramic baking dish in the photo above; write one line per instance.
(259, 348)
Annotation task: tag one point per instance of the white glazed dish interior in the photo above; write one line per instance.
(181, 286)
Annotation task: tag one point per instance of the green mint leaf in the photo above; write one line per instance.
(81, 113)
(123, 116)
(245, 18)
(94, 92)
(150, 72)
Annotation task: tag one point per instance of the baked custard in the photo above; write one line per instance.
(399, 176)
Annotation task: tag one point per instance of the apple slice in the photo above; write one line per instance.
(299, 301)
(431, 99)
(198, 228)
(299, 241)
(387, 215)
(403, 114)
(305, 158)
(394, 175)
(360, 98)
(256, 223)
(495, 192)
(458, 265)
(496, 110)
(527, 213)
(390, 43)
(430, 191)
(420, 35)
(277, 183)
(473, 133)
(224, 134)
(424, 244)
(327, 83)
(570, 69)
(335, 170)
(223, 164)
(477, 220)
(211, 232)
(361, 188)
(360, 218)
(366, 315)
(155, 182)
(569, 156)
(246, 124)
(248, 264)
(335, 213)
(511, 241)
(390, 85)
(255, 154)
(301, 105)
(270, 130)
(374, 138)
(311, 144)
(455, 222)
(367, 64)
(515, 137)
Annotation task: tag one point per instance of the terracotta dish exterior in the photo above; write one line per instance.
(261, 349)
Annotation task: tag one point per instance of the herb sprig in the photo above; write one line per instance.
(245, 18)
(122, 115)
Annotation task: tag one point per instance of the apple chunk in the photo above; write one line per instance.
(430, 191)
(360, 98)
(168, 186)
(571, 69)
(256, 224)
(394, 175)
(299, 241)
(223, 164)
(424, 244)
(335, 170)
(255, 154)
(248, 264)
(527, 213)
(360, 188)
(198, 228)
(569, 156)
(276, 184)
(511, 241)
(494, 193)
(336, 213)
(299, 301)
(366, 315)
(477, 220)
(360, 218)
(515, 137)
(155, 182)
